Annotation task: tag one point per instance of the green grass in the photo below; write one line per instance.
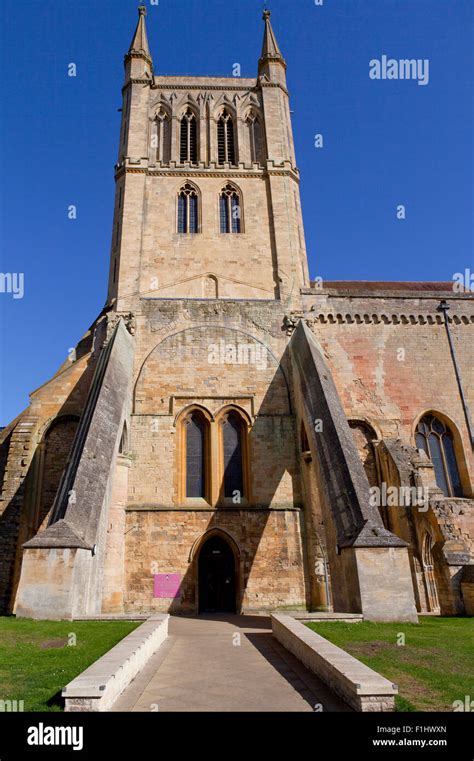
(434, 668)
(36, 661)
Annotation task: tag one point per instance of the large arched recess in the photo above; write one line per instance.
(181, 360)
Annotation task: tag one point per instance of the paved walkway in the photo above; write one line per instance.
(202, 667)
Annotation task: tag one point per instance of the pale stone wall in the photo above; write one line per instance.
(268, 259)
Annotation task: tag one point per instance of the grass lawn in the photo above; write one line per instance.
(36, 661)
(433, 668)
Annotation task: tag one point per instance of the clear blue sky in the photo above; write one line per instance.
(385, 143)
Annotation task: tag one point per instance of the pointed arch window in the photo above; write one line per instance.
(188, 210)
(188, 138)
(225, 138)
(233, 457)
(434, 437)
(196, 436)
(230, 210)
(255, 133)
(162, 137)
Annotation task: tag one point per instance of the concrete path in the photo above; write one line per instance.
(225, 663)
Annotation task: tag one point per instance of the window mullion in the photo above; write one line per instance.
(445, 466)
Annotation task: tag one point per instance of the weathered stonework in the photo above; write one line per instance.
(93, 507)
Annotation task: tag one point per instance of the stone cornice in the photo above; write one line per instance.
(201, 87)
(412, 295)
(242, 174)
(312, 319)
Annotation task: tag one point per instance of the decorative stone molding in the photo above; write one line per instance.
(358, 318)
(214, 172)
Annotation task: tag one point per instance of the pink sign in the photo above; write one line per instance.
(166, 585)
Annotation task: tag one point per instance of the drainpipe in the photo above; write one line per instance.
(328, 601)
(444, 307)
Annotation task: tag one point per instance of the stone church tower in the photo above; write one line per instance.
(212, 443)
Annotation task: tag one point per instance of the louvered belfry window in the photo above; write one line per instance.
(225, 138)
(188, 210)
(233, 460)
(195, 457)
(230, 212)
(435, 438)
(188, 138)
(163, 137)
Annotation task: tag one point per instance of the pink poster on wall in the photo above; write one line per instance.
(166, 585)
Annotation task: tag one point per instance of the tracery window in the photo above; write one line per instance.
(196, 433)
(188, 137)
(213, 458)
(225, 138)
(232, 438)
(188, 209)
(230, 211)
(434, 437)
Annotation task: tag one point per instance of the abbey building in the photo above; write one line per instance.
(215, 442)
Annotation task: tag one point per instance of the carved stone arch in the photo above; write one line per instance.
(236, 408)
(277, 371)
(51, 421)
(182, 182)
(185, 104)
(252, 110)
(53, 454)
(215, 531)
(224, 104)
(160, 107)
(369, 423)
(187, 410)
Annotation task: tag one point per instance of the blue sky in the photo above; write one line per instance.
(385, 143)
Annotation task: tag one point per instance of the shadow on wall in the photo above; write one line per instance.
(271, 439)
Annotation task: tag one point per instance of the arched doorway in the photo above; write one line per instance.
(216, 573)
